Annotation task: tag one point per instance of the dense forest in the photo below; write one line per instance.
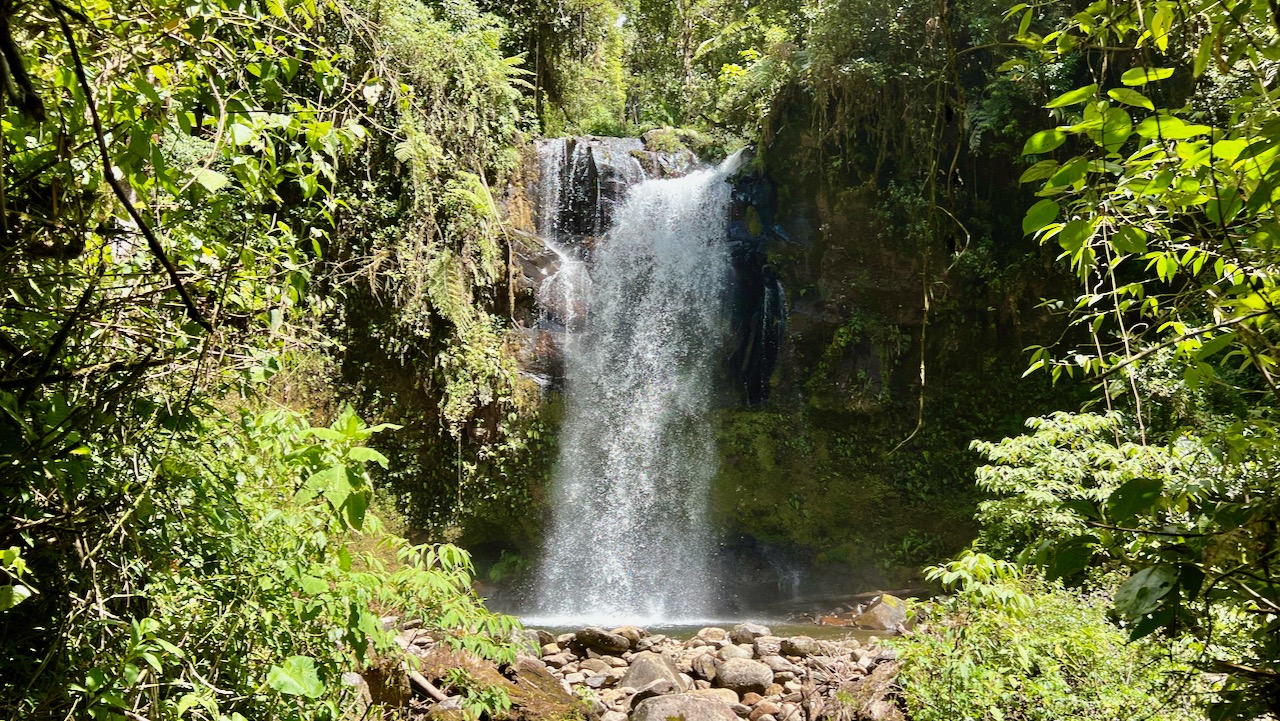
(266, 400)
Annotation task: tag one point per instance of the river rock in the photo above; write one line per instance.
(801, 646)
(573, 678)
(647, 667)
(686, 706)
(598, 639)
(724, 695)
(872, 696)
(747, 632)
(743, 675)
(768, 646)
(550, 649)
(741, 710)
(734, 651)
(713, 634)
(884, 614)
(613, 716)
(594, 664)
(778, 664)
(660, 687)
(631, 633)
(764, 707)
(557, 660)
(704, 666)
(597, 681)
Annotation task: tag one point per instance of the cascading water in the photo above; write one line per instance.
(629, 539)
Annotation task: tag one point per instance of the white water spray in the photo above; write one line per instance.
(629, 540)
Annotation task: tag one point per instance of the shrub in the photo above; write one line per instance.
(1012, 647)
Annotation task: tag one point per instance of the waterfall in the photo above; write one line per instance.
(629, 539)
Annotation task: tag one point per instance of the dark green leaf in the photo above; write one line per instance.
(1071, 557)
(1133, 498)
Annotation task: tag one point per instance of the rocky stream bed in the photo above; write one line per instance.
(628, 674)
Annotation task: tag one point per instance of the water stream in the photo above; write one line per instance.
(629, 540)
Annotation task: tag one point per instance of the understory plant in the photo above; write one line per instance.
(1008, 645)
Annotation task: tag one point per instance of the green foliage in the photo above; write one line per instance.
(1160, 199)
(1008, 647)
(175, 180)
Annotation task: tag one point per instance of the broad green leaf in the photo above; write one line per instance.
(1109, 127)
(1141, 76)
(11, 596)
(1074, 97)
(1131, 97)
(1069, 173)
(355, 506)
(365, 455)
(1132, 498)
(1141, 594)
(297, 677)
(212, 180)
(240, 134)
(1073, 235)
(1213, 345)
(313, 586)
(1039, 171)
(1130, 240)
(1044, 141)
(1040, 215)
(1169, 127)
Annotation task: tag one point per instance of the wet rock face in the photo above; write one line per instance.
(759, 301)
(571, 192)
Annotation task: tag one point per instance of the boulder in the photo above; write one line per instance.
(743, 675)
(648, 667)
(595, 665)
(685, 706)
(600, 640)
(613, 716)
(884, 614)
(801, 646)
(747, 632)
(550, 649)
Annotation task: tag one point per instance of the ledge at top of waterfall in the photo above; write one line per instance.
(629, 540)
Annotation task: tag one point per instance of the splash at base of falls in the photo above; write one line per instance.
(629, 540)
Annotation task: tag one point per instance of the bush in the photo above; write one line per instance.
(1009, 646)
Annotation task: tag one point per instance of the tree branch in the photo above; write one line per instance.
(109, 174)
